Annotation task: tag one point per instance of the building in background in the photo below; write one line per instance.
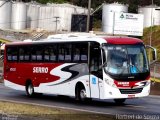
(79, 23)
(5, 12)
(108, 15)
(151, 15)
(18, 16)
(50, 17)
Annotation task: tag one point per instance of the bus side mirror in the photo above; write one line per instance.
(152, 53)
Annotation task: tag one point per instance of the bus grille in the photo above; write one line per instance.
(131, 91)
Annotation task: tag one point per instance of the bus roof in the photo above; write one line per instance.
(123, 40)
(85, 37)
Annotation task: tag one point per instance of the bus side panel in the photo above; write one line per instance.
(70, 74)
(19, 73)
(51, 78)
(11, 77)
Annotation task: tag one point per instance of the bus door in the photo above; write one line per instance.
(95, 70)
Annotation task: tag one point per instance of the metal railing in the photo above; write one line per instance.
(1, 66)
(155, 71)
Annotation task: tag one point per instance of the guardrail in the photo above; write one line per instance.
(155, 71)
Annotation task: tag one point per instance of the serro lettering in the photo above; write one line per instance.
(40, 69)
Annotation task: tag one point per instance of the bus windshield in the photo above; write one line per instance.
(125, 59)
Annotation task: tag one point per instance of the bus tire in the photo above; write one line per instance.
(81, 94)
(30, 90)
(120, 101)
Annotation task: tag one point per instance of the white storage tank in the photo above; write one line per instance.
(108, 11)
(48, 15)
(32, 15)
(60, 12)
(46, 18)
(5, 12)
(68, 19)
(55, 17)
(79, 10)
(41, 18)
(63, 12)
(19, 16)
(151, 15)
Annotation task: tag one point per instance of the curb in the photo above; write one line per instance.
(154, 96)
(155, 80)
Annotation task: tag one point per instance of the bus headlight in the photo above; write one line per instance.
(148, 83)
(110, 82)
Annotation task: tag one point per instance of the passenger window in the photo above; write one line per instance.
(68, 52)
(80, 52)
(76, 54)
(61, 52)
(33, 54)
(53, 54)
(24, 54)
(65, 52)
(84, 52)
(12, 54)
(37, 53)
(21, 54)
(46, 54)
(50, 53)
(9, 54)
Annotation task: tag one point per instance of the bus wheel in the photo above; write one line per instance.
(30, 90)
(81, 94)
(119, 101)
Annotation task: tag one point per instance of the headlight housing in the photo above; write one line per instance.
(110, 82)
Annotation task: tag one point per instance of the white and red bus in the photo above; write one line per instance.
(80, 66)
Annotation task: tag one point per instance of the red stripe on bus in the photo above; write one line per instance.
(122, 40)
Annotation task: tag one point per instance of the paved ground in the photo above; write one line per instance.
(155, 73)
(155, 70)
(155, 88)
(141, 106)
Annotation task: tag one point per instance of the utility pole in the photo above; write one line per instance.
(151, 31)
(88, 16)
(152, 2)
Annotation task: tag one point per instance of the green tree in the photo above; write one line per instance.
(133, 6)
(157, 2)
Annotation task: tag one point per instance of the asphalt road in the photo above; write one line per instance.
(149, 106)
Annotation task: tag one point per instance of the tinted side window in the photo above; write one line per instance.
(37, 53)
(61, 52)
(50, 53)
(76, 53)
(65, 52)
(84, 52)
(68, 52)
(24, 54)
(12, 54)
(80, 52)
